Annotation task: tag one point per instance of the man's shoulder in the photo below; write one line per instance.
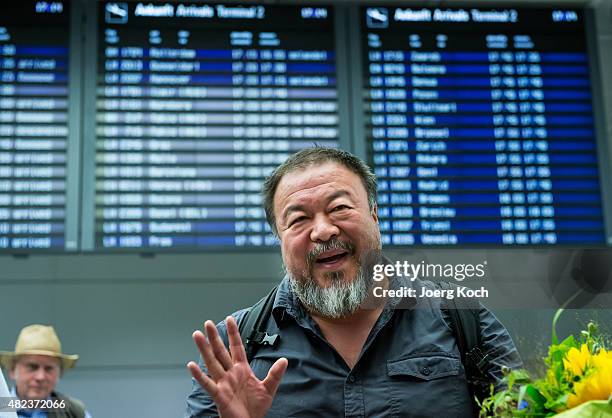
(276, 297)
(443, 300)
(74, 407)
(237, 315)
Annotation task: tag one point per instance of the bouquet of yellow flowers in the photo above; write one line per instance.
(577, 383)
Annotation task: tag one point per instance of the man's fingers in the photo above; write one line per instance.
(275, 374)
(217, 345)
(212, 364)
(204, 381)
(235, 343)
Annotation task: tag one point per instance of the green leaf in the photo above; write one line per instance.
(520, 376)
(536, 396)
(555, 340)
(570, 342)
(511, 380)
(499, 399)
(560, 402)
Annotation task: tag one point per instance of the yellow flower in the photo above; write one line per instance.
(597, 385)
(603, 359)
(576, 361)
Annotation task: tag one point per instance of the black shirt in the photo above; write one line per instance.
(410, 365)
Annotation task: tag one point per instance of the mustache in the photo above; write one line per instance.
(334, 244)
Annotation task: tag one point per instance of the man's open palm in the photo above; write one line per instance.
(237, 392)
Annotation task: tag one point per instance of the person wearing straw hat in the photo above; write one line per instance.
(36, 366)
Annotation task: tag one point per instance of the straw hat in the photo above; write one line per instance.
(38, 340)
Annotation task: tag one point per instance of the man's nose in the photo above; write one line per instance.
(323, 229)
(40, 374)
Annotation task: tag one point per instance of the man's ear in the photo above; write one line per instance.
(13, 372)
(276, 231)
(375, 212)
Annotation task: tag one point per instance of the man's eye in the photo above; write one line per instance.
(340, 207)
(297, 220)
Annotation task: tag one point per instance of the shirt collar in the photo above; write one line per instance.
(286, 302)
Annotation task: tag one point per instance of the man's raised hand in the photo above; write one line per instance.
(237, 392)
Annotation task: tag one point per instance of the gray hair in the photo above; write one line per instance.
(342, 297)
(313, 156)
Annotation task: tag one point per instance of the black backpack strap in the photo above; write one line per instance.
(252, 326)
(465, 322)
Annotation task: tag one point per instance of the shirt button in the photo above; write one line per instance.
(426, 371)
(351, 379)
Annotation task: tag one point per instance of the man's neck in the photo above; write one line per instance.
(25, 399)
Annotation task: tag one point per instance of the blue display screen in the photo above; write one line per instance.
(33, 125)
(197, 104)
(480, 126)
(479, 122)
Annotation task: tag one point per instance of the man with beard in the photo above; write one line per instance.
(338, 355)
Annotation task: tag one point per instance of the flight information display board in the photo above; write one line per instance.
(480, 126)
(196, 104)
(34, 49)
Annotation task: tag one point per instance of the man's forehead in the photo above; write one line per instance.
(313, 176)
(38, 359)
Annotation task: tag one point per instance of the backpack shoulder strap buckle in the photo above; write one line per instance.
(270, 340)
(263, 338)
(252, 327)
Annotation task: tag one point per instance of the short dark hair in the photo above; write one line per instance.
(313, 156)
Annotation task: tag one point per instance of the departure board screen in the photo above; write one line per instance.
(480, 126)
(196, 104)
(34, 47)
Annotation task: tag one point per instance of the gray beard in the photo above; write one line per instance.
(341, 298)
